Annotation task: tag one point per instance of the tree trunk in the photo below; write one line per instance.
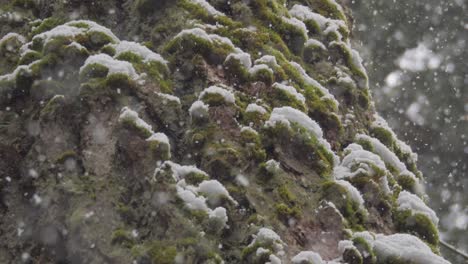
(229, 131)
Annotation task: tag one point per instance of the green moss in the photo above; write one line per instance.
(162, 252)
(46, 25)
(236, 71)
(29, 57)
(214, 99)
(161, 150)
(417, 224)
(130, 57)
(352, 256)
(286, 195)
(286, 212)
(384, 136)
(122, 237)
(263, 75)
(94, 70)
(350, 209)
(365, 249)
(329, 8)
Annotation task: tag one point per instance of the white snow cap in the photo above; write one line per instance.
(159, 137)
(268, 60)
(198, 109)
(214, 190)
(255, 108)
(288, 114)
(266, 236)
(143, 52)
(242, 57)
(406, 248)
(127, 114)
(12, 35)
(311, 81)
(209, 8)
(227, 95)
(409, 201)
(353, 192)
(290, 90)
(114, 66)
(259, 67)
(179, 171)
(307, 257)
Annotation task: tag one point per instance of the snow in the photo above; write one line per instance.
(259, 67)
(255, 108)
(192, 201)
(409, 201)
(353, 192)
(70, 30)
(268, 60)
(243, 58)
(266, 236)
(12, 35)
(209, 8)
(196, 32)
(114, 66)
(274, 260)
(214, 190)
(219, 213)
(406, 248)
(309, 80)
(297, 24)
(290, 90)
(159, 137)
(248, 129)
(272, 166)
(179, 171)
(381, 123)
(198, 109)
(169, 97)
(146, 54)
(357, 161)
(12, 76)
(327, 25)
(315, 43)
(419, 59)
(128, 115)
(343, 245)
(387, 156)
(307, 257)
(227, 95)
(288, 114)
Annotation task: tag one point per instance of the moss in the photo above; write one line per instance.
(384, 136)
(352, 256)
(286, 212)
(329, 8)
(161, 150)
(130, 57)
(52, 106)
(94, 70)
(302, 145)
(284, 98)
(365, 249)
(214, 99)
(162, 252)
(350, 209)
(263, 75)
(46, 25)
(195, 178)
(417, 224)
(122, 237)
(286, 195)
(235, 71)
(29, 57)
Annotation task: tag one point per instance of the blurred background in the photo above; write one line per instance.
(416, 53)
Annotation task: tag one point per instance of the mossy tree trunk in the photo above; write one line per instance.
(218, 133)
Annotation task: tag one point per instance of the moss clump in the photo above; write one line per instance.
(237, 72)
(161, 150)
(286, 212)
(29, 57)
(46, 25)
(162, 252)
(94, 70)
(343, 201)
(352, 256)
(365, 249)
(417, 224)
(122, 237)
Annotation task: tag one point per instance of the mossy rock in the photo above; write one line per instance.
(417, 224)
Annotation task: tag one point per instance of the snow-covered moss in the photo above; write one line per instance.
(307, 257)
(97, 65)
(159, 142)
(130, 118)
(141, 51)
(266, 241)
(215, 95)
(290, 91)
